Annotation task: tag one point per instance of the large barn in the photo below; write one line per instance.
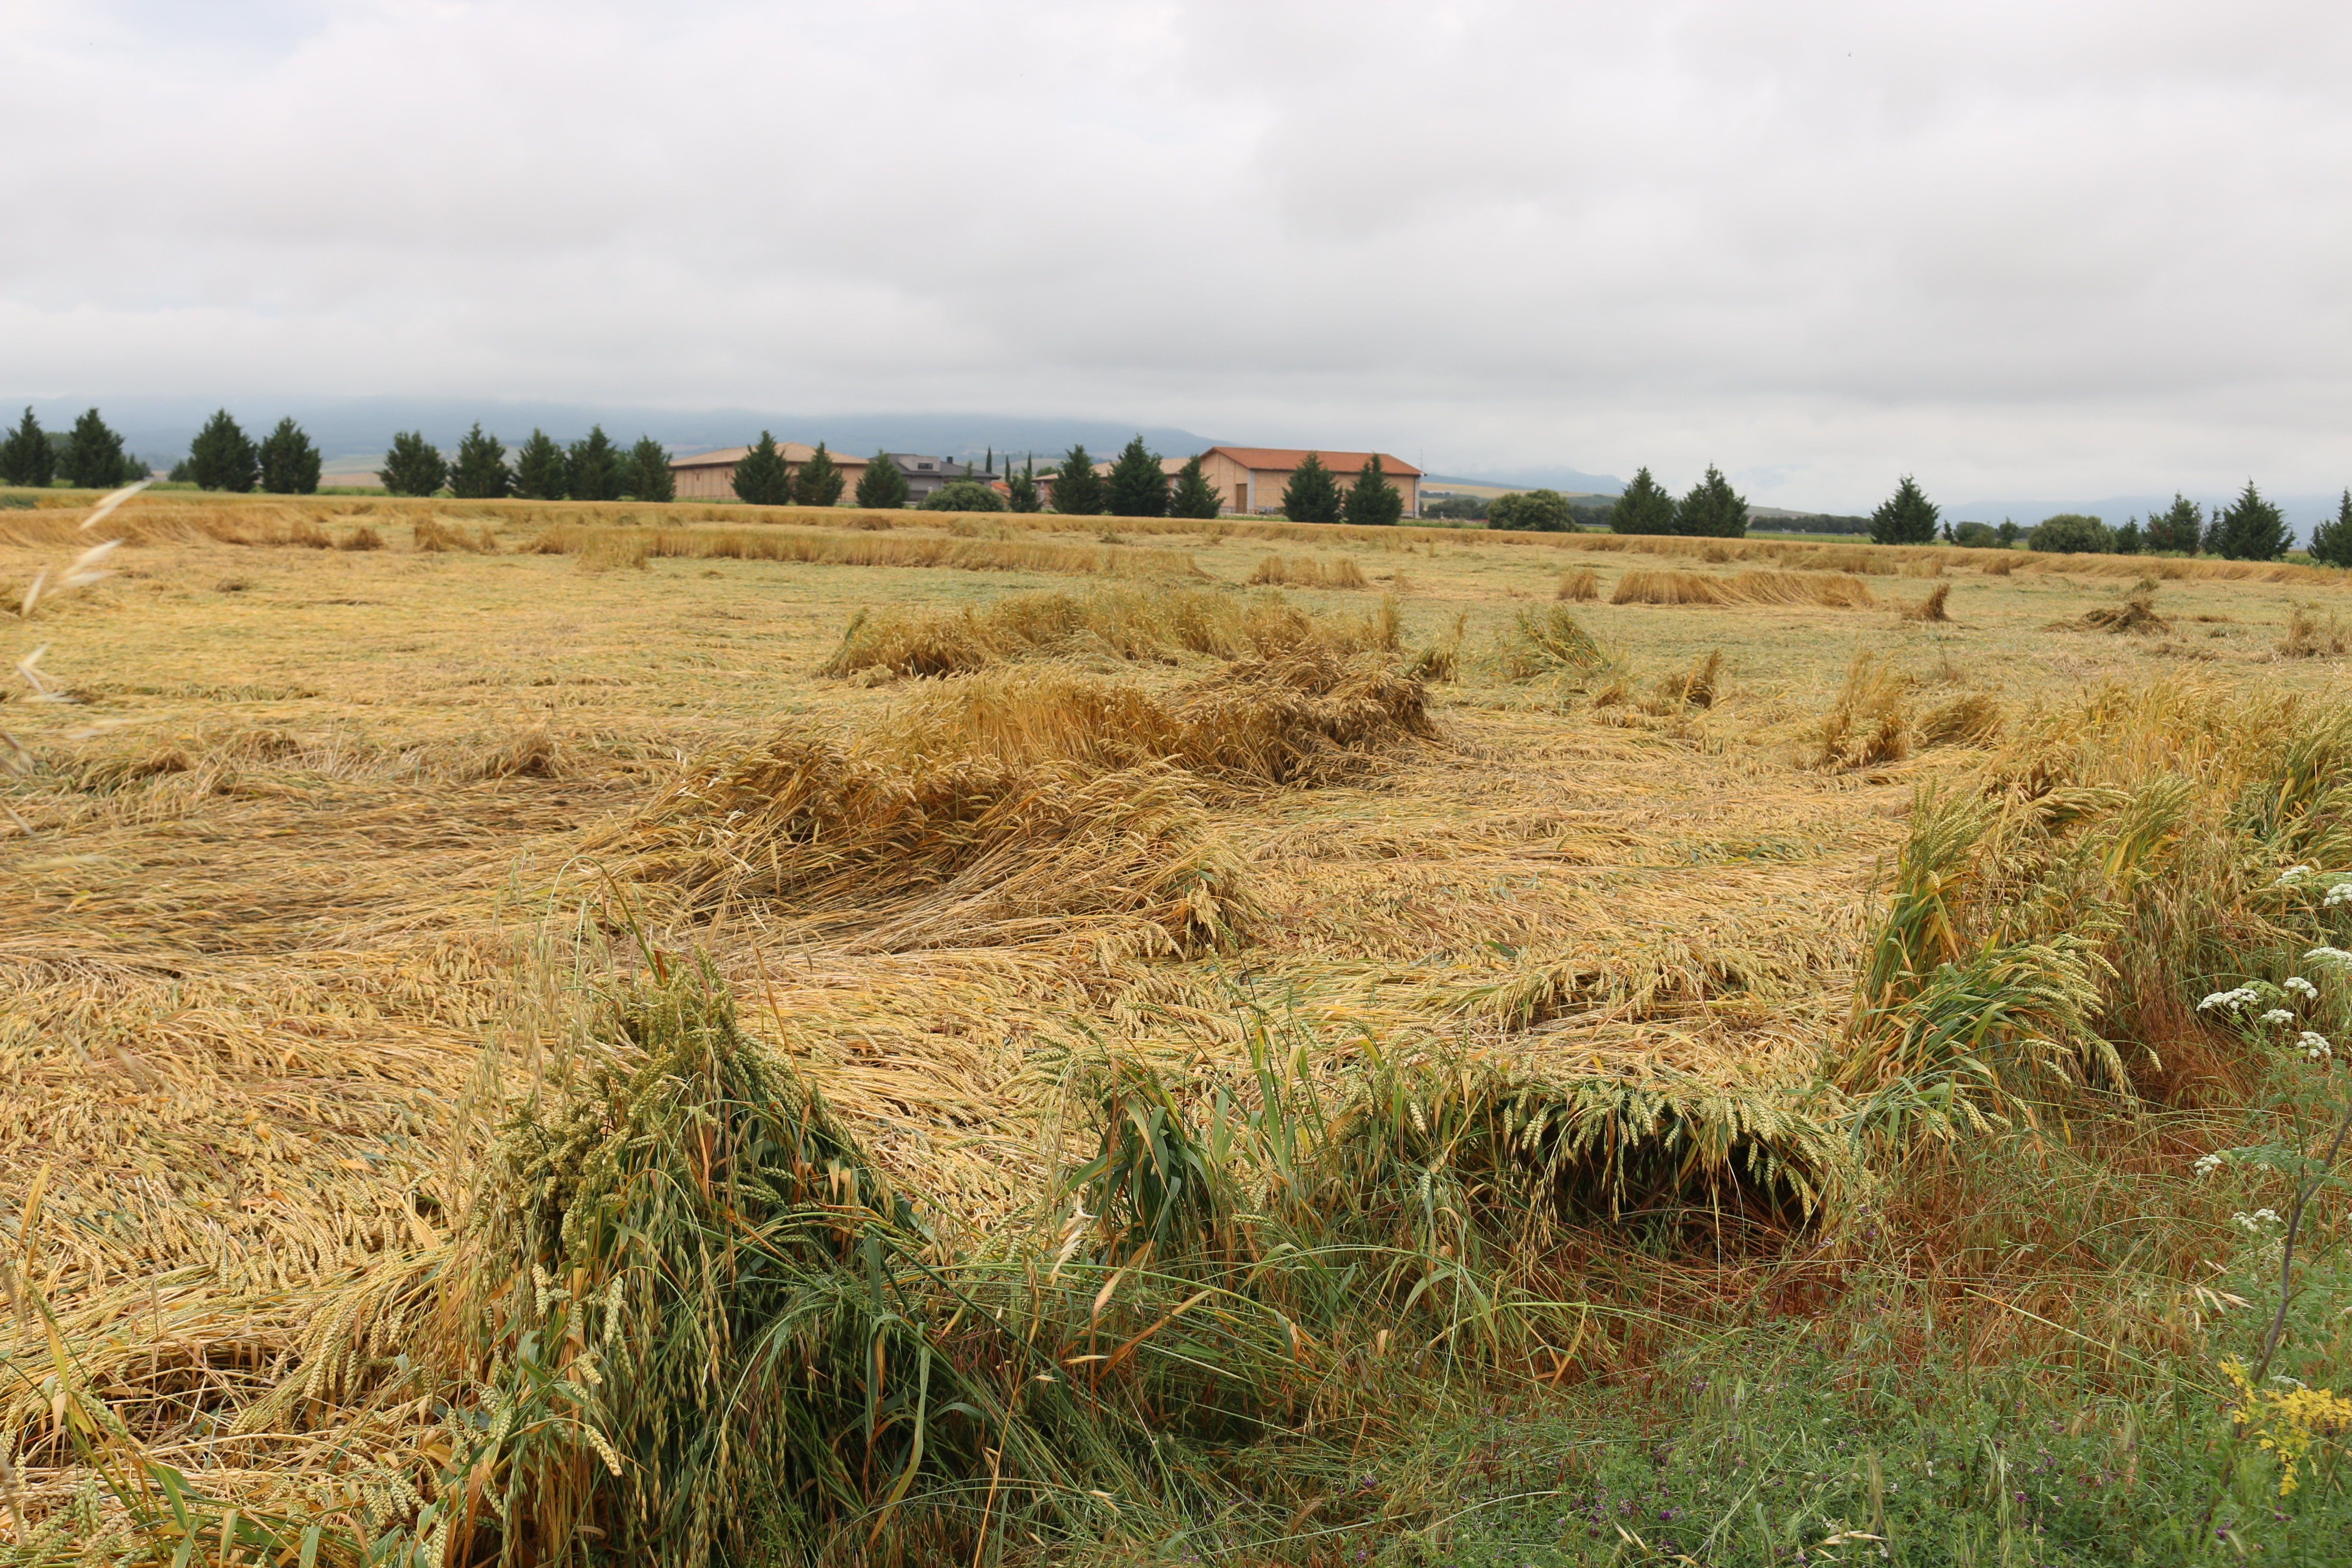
(710, 476)
(1251, 478)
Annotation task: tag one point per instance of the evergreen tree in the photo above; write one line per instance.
(2129, 540)
(539, 467)
(94, 458)
(25, 457)
(479, 472)
(594, 469)
(289, 463)
(2251, 529)
(1906, 517)
(881, 488)
(761, 476)
(413, 466)
(649, 472)
(1644, 507)
(1312, 495)
(819, 482)
(1077, 488)
(1371, 501)
(1713, 510)
(223, 458)
(1023, 487)
(1138, 485)
(2178, 527)
(2331, 541)
(1193, 496)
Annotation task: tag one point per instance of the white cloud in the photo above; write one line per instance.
(2014, 248)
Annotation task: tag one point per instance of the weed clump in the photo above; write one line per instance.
(2307, 637)
(1932, 607)
(2136, 614)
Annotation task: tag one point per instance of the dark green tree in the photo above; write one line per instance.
(882, 487)
(94, 458)
(1976, 536)
(2250, 529)
(819, 482)
(761, 476)
(965, 495)
(413, 466)
(2009, 533)
(1024, 486)
(289, 463)
(1077, 488)
(1193, 495)
(649, 472)
(2072, 533)
(25, 457)
(2129, 540)
(1372, 501)
(1713, 510)
(594, 469)
(1644, 507)
(1531, 511)
(1313, 493)
(1906, 517)
(539, 467)
(2331, 541)
(2179, 527)
(222, 457)
(479, 471)
(1137, 485)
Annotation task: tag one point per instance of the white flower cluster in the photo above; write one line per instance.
(2278, 1015)
(2297, 984)
(2209, 1164)
(2315, 1046)
(2251, 1224)
(2339, 894)
(2335, 955)
(2231, 1000)
(2294, 874)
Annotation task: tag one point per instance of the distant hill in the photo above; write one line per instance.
(1568, 481)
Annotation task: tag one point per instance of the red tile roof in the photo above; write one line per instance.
(1282, 459)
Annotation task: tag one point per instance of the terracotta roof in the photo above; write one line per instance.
(1282, 459)
(792, 451)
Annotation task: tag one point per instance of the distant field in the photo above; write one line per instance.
(1582, 1040)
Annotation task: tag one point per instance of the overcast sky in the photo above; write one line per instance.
(2045, 249)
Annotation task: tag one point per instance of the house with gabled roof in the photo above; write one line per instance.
(1251, 478)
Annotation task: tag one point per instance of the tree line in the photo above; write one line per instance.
(594, 468)
(89, 457)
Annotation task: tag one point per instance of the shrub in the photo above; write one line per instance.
(1531, 511)
(965, 495)
(2072, 533)
(1978, 536)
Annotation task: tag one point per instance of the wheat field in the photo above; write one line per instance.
(352, 818)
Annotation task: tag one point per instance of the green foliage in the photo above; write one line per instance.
(2129, 540)
(1079, 491)
(2250, 529)
(539, 467)
(761, 478)
(1713, 510)
(1023, 487)
(94, 458)
(1460, 508)
(1193, 495)
(413, 467)
(1531, 511)
(965, 495)
(1906, 517)
(594, 469)
(222, 457)
(289, 462)
(2331, 541)
(1371, 500)
(1976, 536)
(1313, 493)
(648, 476)
(1137, 485)
(479, 472)
(882, 487)
(2179, 528)
(2010, 535)
(1644, 507)
(25, 456)
(819, 482)
(2072, 533)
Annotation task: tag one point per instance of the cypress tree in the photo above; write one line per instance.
(761, 476)
(1906, 517)
(1643, 507)
(25, 457)
(2129, 540)
(289, 463)
(539, 467)
(1138, 485)
(2177, 527)
(1194, 496)
(1023, 488)
(592, 467)
(1077, 488)
(1312, 495)
(882, 487)
(649, 475)
(2331, 541)
(1713, 510)
(413, 466)
(94, 458)
(819, 482)
(222, 457)
(479, 472)
(1371, 500)
(2250, 529)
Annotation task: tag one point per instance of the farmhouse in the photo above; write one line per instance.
(1251, 478)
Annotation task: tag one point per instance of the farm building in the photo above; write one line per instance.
(710, 476)
(1251, 478)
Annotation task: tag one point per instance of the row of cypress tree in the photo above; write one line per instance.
(591, 468)
(89, 457)
(2249, 529)
(1712, 510)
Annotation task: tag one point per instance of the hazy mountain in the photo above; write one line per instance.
(1571, 481)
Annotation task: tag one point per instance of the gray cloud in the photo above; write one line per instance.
(2015, 248)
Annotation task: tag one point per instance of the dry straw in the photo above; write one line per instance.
(1749, 588)
(630, 546)
(1579, 585)
(1307, 572)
